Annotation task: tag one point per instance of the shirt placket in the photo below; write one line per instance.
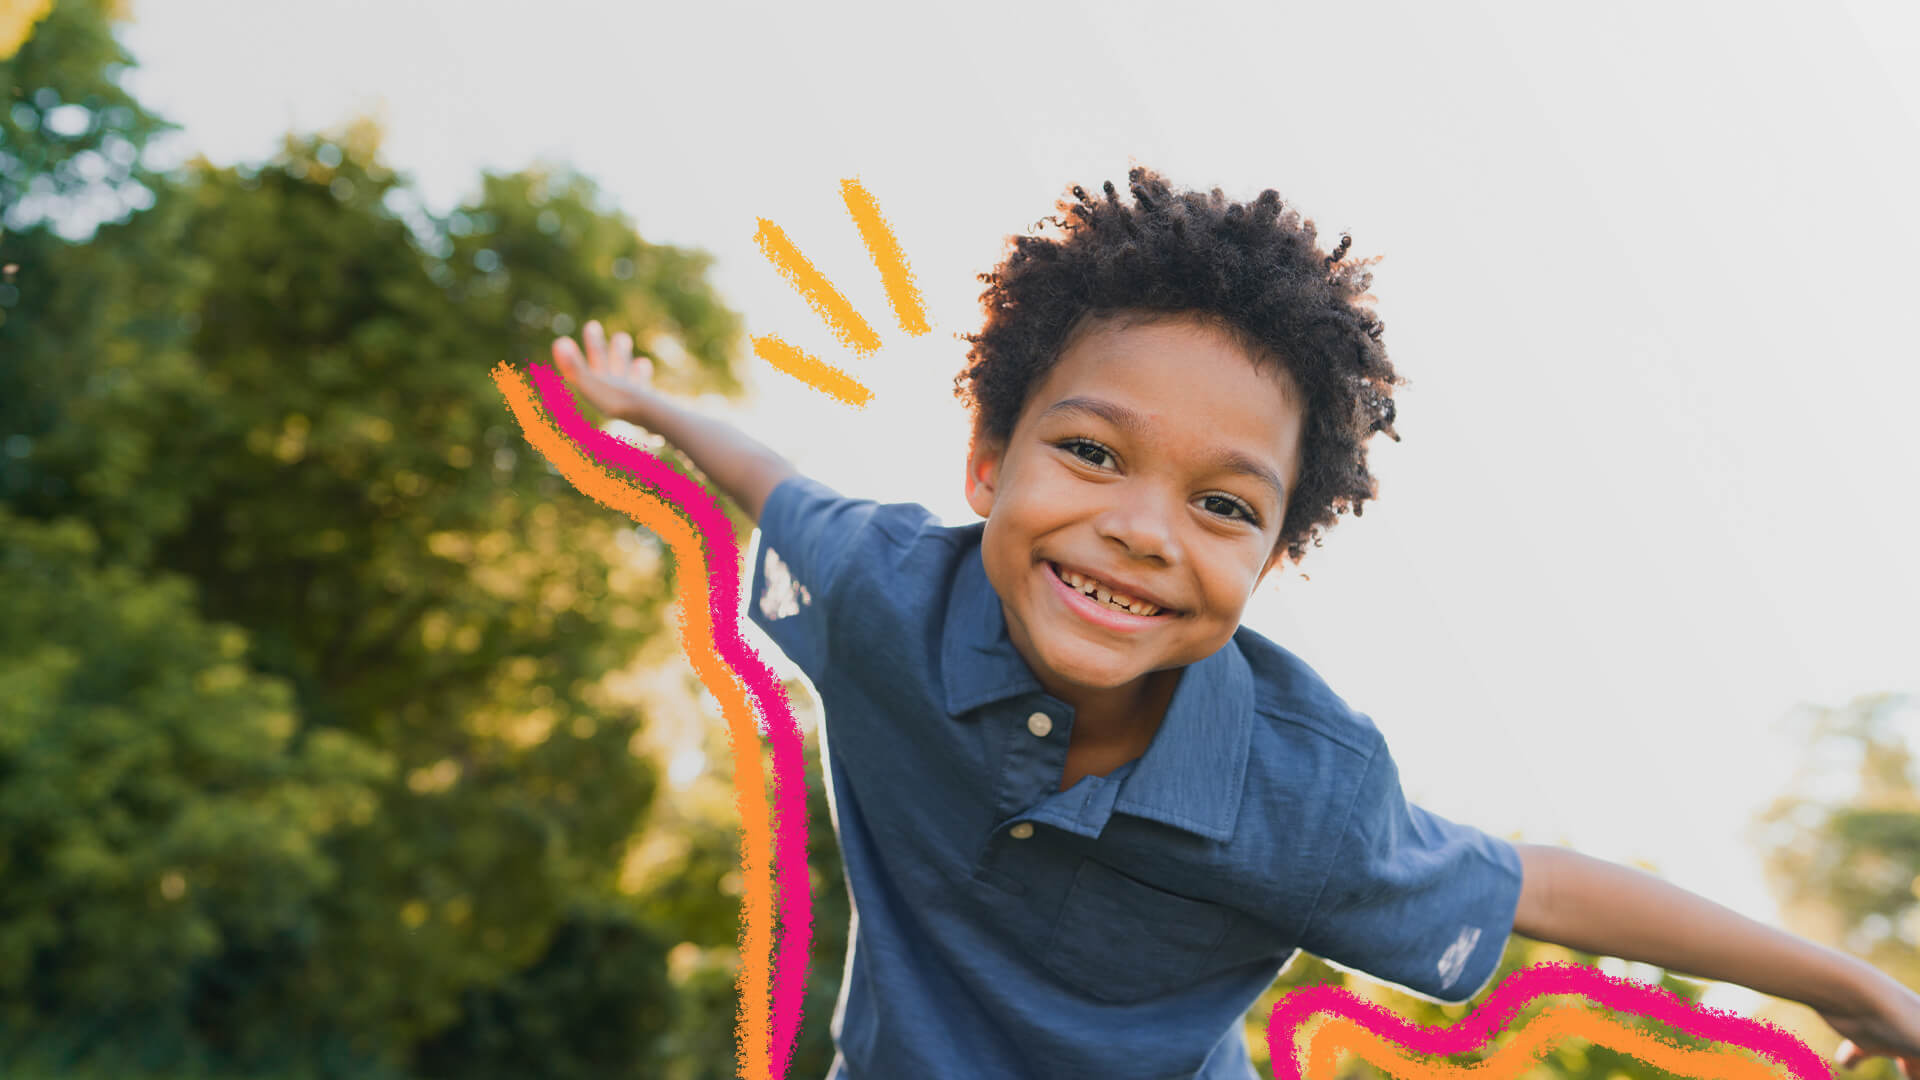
(1027, 799)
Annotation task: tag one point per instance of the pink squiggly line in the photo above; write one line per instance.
(723, 586)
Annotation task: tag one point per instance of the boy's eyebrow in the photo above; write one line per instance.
(1136, 425)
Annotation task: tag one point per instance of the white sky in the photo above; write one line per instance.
(1669, 239)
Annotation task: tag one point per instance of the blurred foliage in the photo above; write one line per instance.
(1843, 847)
(154, 808)
(70, 136)
(307, 760)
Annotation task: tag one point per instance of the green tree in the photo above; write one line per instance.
(320, 740)
(154, 809)
(71, 147)
(71, 138)
(1843, 848)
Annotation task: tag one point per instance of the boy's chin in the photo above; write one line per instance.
(1090, 673)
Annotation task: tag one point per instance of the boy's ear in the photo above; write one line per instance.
(983, 473)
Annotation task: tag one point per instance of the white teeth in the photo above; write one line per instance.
(1107, 596)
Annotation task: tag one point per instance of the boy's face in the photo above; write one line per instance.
(1146, 461)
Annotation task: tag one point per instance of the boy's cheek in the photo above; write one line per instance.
(1052, 499)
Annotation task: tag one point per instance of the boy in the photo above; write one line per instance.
(1086, 817)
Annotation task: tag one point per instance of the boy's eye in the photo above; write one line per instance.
(1088, 451)
(1228, 506)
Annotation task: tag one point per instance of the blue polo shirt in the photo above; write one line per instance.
(1123, 927)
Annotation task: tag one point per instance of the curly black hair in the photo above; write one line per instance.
(1254, 270)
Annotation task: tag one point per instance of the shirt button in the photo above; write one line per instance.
(1021, 831)
(1039, 723)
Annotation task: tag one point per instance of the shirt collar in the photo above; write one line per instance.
(1193, 774)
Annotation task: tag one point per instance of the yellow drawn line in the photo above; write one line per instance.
(17, 19)
(811, 370)
(887, 258)
(846, 323)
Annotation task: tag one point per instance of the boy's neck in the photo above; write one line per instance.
(1123, 714)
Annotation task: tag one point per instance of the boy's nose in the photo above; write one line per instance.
(1140, 525)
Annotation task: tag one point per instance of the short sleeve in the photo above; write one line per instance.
(814, 545)
(1412, 898)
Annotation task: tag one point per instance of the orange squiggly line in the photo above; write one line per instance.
(1364, 1020)
(1530, 1043)
(696, 640)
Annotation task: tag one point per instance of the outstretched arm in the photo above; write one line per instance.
(621, 386)
(1600, 907)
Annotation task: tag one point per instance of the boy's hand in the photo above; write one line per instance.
(622, 387)
(615, 381)
(1887, 1026)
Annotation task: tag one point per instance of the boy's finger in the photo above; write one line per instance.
(622, 352)
(567, 355)
(596, 338)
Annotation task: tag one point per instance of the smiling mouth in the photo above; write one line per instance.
(1099, 591)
